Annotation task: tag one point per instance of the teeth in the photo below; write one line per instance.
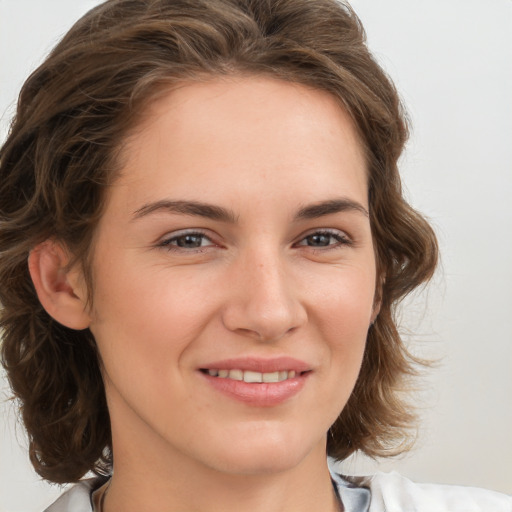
(253, 376)
(236, 374)
(271, 377)
(250, 376)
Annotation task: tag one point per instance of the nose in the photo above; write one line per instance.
(264, 301)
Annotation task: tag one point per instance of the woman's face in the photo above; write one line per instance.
(235, 245)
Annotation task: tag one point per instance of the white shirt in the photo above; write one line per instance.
(382, 492)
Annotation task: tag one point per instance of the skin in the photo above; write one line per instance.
(260, 284)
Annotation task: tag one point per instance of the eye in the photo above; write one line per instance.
(325, 239)
(184, 241)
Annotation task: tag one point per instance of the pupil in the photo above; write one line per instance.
(319, 240)
(190, 241)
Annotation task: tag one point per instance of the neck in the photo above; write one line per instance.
(142, 482)
(255, 472)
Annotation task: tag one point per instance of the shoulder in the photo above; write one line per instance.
(391, 492)
(76, 499)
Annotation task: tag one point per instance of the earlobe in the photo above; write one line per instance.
(375, 314)
(377, 301)
(58, 288)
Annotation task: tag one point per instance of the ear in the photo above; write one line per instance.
(377, 301)
(60, 290)
(375, 312)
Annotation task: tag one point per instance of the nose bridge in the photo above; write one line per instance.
(265, 302)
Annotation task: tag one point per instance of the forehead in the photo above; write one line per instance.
(247, 132)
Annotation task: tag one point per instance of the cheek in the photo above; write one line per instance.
(342, 312)
(343, 297)
(149, 315)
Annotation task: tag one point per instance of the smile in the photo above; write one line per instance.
(257, 382)
(252, 376)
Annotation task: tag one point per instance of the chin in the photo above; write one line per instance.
(265, 454)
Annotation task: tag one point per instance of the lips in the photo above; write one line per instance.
(261, 365)
(251, 376)
(258, 382)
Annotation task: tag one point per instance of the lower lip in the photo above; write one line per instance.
(258, 394)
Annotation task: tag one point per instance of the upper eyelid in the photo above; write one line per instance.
(168, 237)
(165, 239)
(330, 231)
(186, 231)
(325, 230)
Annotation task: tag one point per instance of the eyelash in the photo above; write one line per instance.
(340, 237)
(168, 242)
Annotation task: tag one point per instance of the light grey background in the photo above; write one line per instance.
(452, 62)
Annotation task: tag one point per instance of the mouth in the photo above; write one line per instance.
(250, 376)
(258, 382)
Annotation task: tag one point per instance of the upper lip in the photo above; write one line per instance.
(256, 364)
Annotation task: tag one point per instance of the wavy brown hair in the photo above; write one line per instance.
(61, 154)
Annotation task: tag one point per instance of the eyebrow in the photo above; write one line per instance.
(210, 211)
(329, 207)
(195, 208)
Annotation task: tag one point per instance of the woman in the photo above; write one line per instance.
(208, 198)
